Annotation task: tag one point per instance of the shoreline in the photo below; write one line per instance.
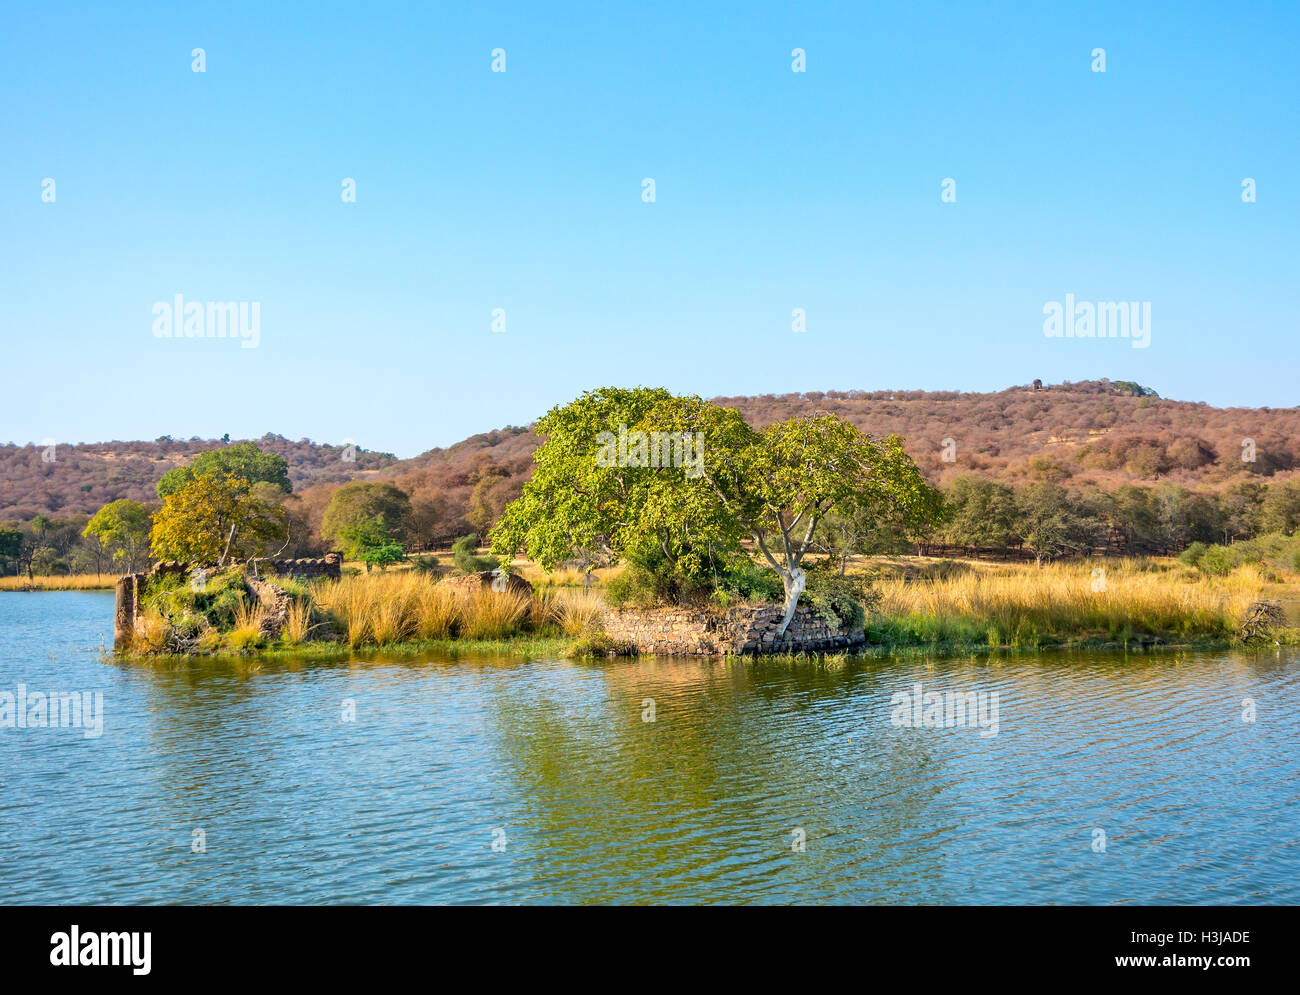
(561, 648)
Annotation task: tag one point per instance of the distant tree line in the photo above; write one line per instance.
(1048, 520)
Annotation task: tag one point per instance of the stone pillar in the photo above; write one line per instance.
(124, 611)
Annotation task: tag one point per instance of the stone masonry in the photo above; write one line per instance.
(130, 589)
(714, 632)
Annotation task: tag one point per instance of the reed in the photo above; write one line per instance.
(57, 582)
(1111, 599)
(246, 633)
(298, 624)
(578, 613)
(488, 614)
(388, 608)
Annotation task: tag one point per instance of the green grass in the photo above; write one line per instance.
(520, 646)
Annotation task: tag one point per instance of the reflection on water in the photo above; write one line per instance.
(597, 805)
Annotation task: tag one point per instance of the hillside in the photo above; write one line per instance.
(80, 479)
(1077, 434)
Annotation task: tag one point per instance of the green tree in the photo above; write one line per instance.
(1279, 511)
(364, 516)
(1240, 508)
(11, 544)
(774, 487)
(1050, 523)
(980, 512)
(35, 538)
(372, 543)
(782, 487)
(244, 460)
(122, 529)
(579, 500)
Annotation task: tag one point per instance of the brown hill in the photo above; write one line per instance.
(80, 479)
(1095, 432)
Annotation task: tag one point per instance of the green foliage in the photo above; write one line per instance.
(1276, 551)
(746, 582)
(122, 527)
(11, 542)
(381, 554)
(463, 556)
(425, 563)
(652, 578)
(244, 460)
(1052, 522)
(215, 513)
(980, 512)
(841, 600)
(596, 644)
(579, 499)
(368, 521)
(192, 606)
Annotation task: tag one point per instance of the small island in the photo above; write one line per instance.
(663, 524)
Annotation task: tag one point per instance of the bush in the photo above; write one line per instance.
(216, 602)
(750, 583)
(463, 555)
(841, 601)
(651, 579)
(1217, 561)
(1193, 553)
(426, 564)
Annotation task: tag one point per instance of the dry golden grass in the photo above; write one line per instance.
(247, 629)
(297, 622)
(152, 634)
(1113, 599)
(578, 613)
(391, 607)
(67, 582)
(488, 614)
(564, 577)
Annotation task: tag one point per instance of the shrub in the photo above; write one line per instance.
(1216, 561)
(599, 644)
(426, 563)
(651, 579)
(463, 552)
(750, 583)
(840, 601)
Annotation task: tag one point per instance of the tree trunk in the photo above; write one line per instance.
(794, 582)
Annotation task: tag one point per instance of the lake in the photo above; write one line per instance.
(1110, 779)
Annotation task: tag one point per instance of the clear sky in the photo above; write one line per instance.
(522, 190)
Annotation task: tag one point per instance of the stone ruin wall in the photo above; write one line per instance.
(713, 632)
(130, 589)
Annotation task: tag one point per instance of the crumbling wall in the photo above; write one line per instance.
(713, 632)
(129, 590)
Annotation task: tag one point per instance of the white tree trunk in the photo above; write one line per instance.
(794, 582)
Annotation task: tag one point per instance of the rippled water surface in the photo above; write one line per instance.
(594, 804)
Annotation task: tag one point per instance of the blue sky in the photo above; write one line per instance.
(522, 190)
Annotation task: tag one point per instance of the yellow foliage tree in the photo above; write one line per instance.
(217, 516)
